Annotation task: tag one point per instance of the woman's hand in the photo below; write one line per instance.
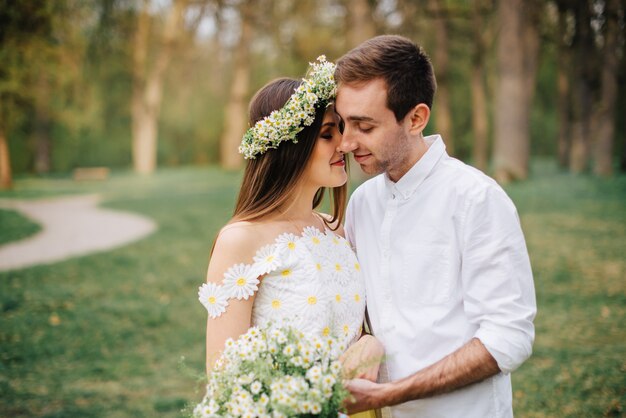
(363, 358)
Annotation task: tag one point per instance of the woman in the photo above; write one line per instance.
(278, 259)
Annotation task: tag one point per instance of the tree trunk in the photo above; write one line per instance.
(360, 23)
(516, 61)
(148, 85)
(360, 28)
(563, 91)
(622, 82)
(6, 177)
(581, 92)
(235, 115)
(42, 122)
(605, 129)
(479, 98)
(217, 47)
(443, 117)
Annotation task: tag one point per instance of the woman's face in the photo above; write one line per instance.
(327, 166)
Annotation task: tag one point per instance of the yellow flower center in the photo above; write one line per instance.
(318, 266)
(292, 245)
(345, 329)
(357, 267)
(315, 240)
(326, 332)
(338, 297)
(212, 300)
(338, 267)
(275, 304)
(312, 300)
(357, 297)
(241, 281)
(270, 258)
(335, 241)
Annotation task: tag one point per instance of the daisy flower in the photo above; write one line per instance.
(313, 237)
(289, 246)
(240, 281)
(214, 299)
(267, 259)
(340, 271)
(311, 301)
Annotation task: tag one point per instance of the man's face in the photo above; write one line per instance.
(379, 143)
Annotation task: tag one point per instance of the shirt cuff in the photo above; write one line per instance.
(510, 348)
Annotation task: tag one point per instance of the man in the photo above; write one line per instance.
(448, 281)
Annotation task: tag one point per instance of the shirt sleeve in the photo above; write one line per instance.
(349, 223)
(498, 288)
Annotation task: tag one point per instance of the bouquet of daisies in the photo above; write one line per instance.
(275, 372)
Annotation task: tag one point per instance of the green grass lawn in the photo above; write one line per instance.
(103, 335)
(15, 226)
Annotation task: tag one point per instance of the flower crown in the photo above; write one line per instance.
(317, 90)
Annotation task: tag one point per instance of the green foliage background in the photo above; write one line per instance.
(83, 53)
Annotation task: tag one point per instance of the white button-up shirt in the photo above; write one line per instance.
(444, 261)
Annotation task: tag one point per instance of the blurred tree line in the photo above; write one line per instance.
(147, 83)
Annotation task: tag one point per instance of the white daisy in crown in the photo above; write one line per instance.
(240, 281)
(214, 299)
(316, 91)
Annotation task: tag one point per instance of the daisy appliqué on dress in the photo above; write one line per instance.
(313, 281)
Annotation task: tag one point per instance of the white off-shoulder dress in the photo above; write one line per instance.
(311, 281)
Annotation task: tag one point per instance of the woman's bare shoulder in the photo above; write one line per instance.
(238, 237)
(245, 238)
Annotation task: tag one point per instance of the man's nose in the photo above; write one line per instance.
(348, 144)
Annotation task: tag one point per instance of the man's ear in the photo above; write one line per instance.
(417, 118)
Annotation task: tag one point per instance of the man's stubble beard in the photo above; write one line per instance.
(394, 156)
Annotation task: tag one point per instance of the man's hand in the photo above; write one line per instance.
(469, 364)
(366, 395)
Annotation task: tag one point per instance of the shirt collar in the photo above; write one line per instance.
(411, 180)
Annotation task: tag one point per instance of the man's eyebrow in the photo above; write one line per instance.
(356, 118)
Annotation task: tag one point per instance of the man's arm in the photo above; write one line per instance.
(469, 364)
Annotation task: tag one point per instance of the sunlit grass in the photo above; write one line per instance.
(102, 336)
(576, 232)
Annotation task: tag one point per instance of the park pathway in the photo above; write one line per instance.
(70, 227)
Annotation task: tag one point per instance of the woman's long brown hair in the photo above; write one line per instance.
(270, 180)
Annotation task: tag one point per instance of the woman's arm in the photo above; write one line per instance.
(234, 245)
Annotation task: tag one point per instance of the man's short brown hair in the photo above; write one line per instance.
(403, 65)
